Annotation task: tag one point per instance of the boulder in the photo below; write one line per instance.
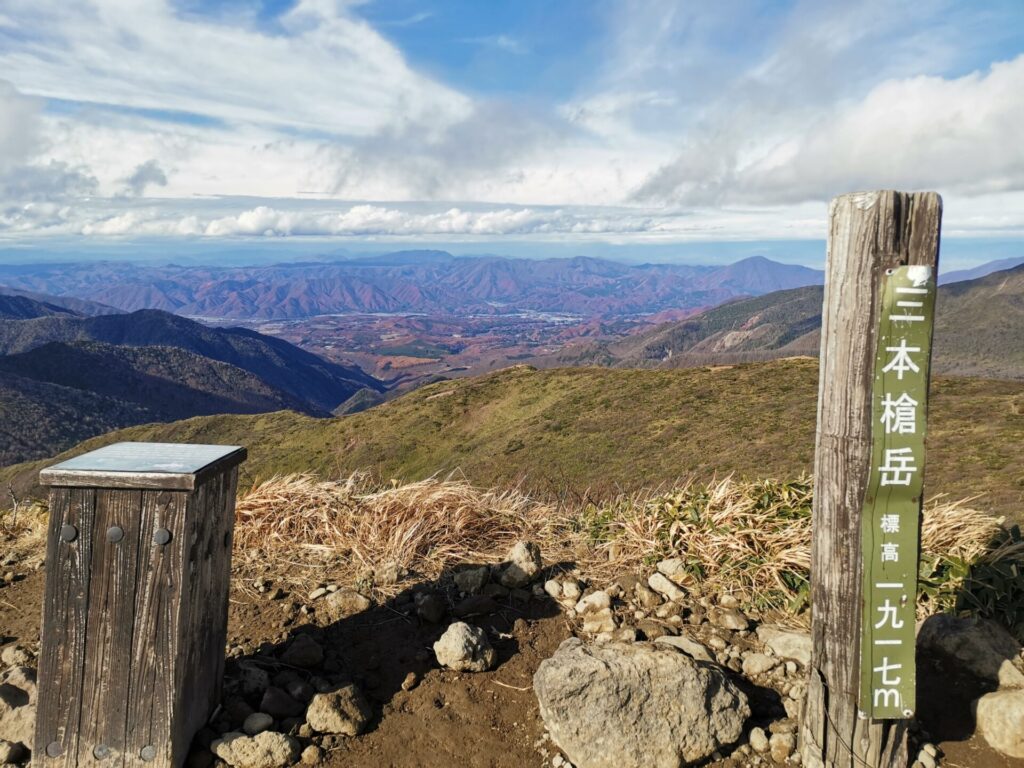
(1000, 719)
(690, 647)
(983, 647)
(252, 680)
(264, 750)
(278, 703)
(17, 714)
(342, 604)
(787, 643)
(523, 565)
(304, 652)
(344, 711)
(619, 704)
(472, 580)
(430, 607)
(465, 648)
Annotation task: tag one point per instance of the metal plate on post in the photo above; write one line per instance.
(892, 503)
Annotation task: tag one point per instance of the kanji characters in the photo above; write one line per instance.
(900, 415)
(901, 361)
(899, 466)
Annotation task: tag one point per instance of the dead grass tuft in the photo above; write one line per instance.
(749, 539)
(353, 527)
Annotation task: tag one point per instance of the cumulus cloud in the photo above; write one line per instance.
(955, 134)
(145, 174)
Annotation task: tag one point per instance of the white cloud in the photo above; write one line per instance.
(699, 124)
(954, 135)
(328, 72)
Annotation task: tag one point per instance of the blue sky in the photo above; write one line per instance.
(595, 126)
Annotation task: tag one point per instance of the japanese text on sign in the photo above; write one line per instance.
(892, 502)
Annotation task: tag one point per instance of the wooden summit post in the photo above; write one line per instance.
(875, 351)
(135, 610)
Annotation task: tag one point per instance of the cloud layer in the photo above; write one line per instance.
(726, 120)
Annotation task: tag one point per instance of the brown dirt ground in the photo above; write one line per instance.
(484, 720)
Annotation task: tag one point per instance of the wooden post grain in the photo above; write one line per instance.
(136, 603)
(869, 232)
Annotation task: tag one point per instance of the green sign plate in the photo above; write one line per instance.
(892, 502)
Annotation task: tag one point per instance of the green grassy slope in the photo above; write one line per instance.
(570, 430)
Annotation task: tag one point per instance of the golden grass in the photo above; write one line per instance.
(354, 528)
(749, 539)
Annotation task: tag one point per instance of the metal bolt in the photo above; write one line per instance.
(115, 533)
(161, 536)
(101, 751)
(148, 753)
(54, 749)
(68, 532)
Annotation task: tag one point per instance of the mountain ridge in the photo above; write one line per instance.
(410, 282)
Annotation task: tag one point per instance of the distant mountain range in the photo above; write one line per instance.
(64, 377)
(981, 270)
(433, 282)
(979, 331)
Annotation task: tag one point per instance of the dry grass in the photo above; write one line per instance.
(750, 539)
(23, 529)
(353, 528)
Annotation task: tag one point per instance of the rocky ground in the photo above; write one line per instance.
(512, 665)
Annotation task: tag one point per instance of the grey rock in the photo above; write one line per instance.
(252, 680)
(342, 604)
(781, 746)
(389, 573)
(602, 620)
(264, 750)
(1000, 719)
(304, 652)
(729, 618)
(343, 711)
(279, 704)
(759, 740)
(472, 580)
(691, 648)
(17, 714)
(465, 648)
(429, 607)
(619, 704)
(786, 643)
(594, 602)
(524, 563)
(983, 647)
(661, 584)
(257, 722)
(758, 664)
(647, 597)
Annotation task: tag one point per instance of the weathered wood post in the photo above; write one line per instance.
(135, 610)
(875, 351)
